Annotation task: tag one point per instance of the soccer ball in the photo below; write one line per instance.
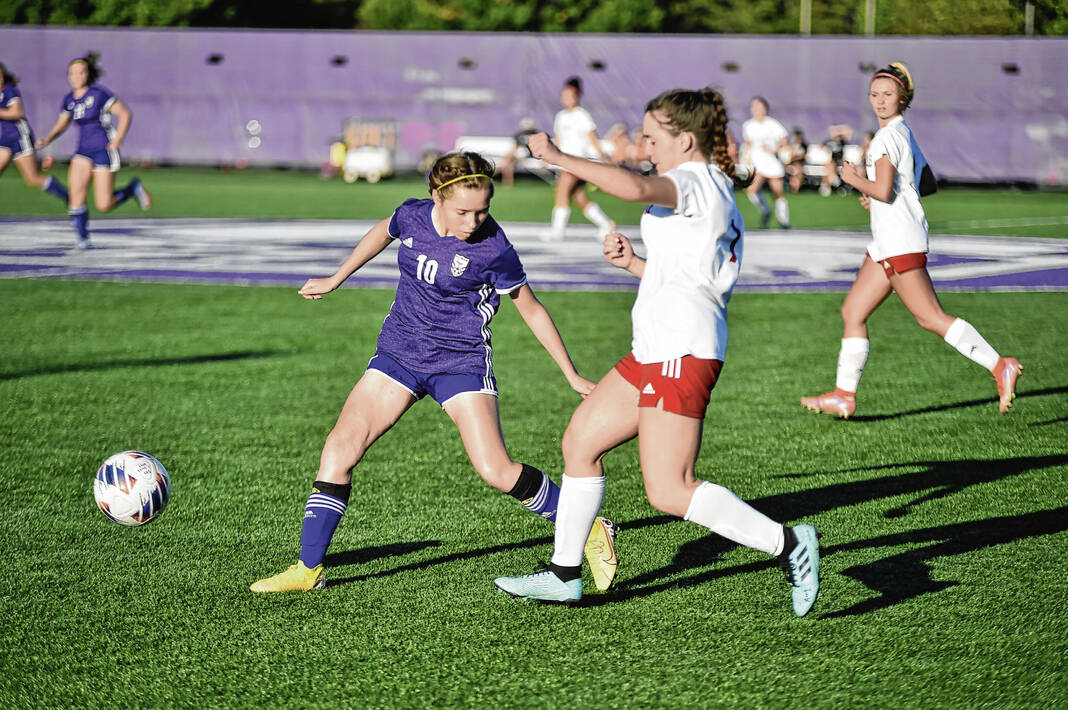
(132, 488)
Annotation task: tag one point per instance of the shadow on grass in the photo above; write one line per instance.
(141, 362)
(897, 578)
(956, 405)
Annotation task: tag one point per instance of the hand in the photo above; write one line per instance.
(850, 172)
(865, 202)
(543, 148)
(581, 385)
(314, 289)
(41, 143)
(114, 145)
(618, 251)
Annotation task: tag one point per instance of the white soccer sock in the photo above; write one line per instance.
(970, 344)
(758, 202)
(782, 211)
(595, 214)
(851, 360)
(580, 501)
(724, 513)
(560, 217)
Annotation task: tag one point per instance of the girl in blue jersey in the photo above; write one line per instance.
(103, 121)
(455, 263)
(16, 138)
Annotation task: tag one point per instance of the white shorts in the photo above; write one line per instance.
(767, 165)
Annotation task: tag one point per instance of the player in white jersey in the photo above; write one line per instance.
(576, 133)
(763, 137)
(896, 175)
(659, 392)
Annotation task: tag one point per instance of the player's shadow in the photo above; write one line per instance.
(936, 479)
(988, 401)
(896, 578)
(140, 362)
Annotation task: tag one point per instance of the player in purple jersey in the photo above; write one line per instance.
(103, 121)
(455, 262)
(16, 139)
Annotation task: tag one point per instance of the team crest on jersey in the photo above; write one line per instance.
(459, 264)
(407, 241)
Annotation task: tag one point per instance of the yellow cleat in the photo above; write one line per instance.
(295, 578)
(601, 553)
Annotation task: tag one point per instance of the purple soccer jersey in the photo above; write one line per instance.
(13, 132)
(90, 112)
(448, 293)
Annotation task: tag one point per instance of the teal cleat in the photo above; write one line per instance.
(542, 585)
(802, 568)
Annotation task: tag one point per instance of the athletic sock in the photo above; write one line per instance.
(595, 214)
(560, 217)
(760, 203)
(125, 193)
(970, 344)
(580, 501)
(536, 492)
(566, 574)
(789, 542)
(326, 505)
(851, 360)
(79, 218)
(55, 187)
(782, 212)
(724, 513)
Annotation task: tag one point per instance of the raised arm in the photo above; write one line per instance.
(57, 130)
(541, 324)
(616, 181)
(366, 249)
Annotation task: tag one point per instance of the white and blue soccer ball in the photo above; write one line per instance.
(132, 488)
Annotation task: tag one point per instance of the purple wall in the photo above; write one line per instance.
(974, 120)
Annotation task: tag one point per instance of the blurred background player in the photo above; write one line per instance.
(793, 159)
(659, 392)
(16, 139)
(576, 133)
(839, 135)
(103, 121)
(520, 152)
(763, 137)
(455, 263)
(897, 254)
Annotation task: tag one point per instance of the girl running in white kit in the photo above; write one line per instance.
(897, 254)
(576, 133)
(763, 137)
(659, 391)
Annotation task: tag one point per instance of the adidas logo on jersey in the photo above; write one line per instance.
(648, 388)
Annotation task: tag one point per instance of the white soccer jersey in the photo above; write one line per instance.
(571, 131)
(764, 138)
(898, 226)
(694, 252)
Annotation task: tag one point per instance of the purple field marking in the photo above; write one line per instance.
(287, 252)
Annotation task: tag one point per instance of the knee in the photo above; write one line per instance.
(105, 205)
(502, 475)
(850, 316)
(667, 500)
(576, 450)
(345, 447)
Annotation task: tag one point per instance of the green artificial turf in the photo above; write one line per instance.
(191, 192)
(944, 522)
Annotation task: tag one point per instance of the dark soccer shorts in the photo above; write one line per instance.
(441, 386)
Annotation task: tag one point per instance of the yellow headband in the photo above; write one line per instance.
(462, 177)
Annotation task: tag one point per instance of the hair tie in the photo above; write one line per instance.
(462, 177)
(891, 76)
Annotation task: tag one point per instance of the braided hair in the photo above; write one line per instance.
(452, 166)
(704, 114)
(899, 73)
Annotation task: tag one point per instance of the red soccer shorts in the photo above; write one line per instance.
(684, 384)
(902, 263)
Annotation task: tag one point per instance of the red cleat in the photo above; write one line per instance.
(1006, 372)
(837, 402)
